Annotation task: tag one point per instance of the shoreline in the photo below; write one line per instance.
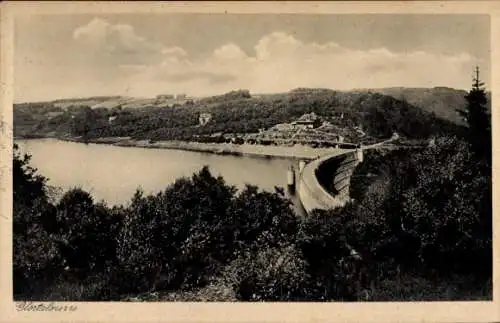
(297, 151)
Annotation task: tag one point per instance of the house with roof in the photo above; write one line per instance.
(204, 118)
(308, 121)
(112, 119)
(53, 114)
(165, 97)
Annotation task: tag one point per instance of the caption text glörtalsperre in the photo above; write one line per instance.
(44, 307)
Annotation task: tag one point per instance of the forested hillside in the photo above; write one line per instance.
(236, 112)
(442, 101)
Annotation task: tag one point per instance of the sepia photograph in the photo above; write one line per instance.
(251, 157)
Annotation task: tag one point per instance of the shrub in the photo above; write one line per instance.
(432, 215)
(36, 258)
(449, 209)
(96, 287)
(260, 219)
(330, 265)
(86, 233)
(179, 233)
(276, 274)
(28, 185)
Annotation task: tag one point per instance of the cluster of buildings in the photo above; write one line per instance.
(171, 97)
(309, 127)
(169, 100)
(306, 121)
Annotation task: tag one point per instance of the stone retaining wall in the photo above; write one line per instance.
(324, 182)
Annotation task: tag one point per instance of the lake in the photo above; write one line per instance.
(112, 173)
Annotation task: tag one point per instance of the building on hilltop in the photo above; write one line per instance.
(307, 121)
(165, 97)
(181, 96)
(216, 135)
(53, 114)
(359, 131)
(112, 119)
(205, 118)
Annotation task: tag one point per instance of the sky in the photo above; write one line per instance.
(143, 55)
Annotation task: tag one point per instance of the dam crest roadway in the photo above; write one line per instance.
(324, 182)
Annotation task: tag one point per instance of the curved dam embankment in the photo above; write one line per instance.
(324, 182)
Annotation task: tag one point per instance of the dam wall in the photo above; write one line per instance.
(324, 183)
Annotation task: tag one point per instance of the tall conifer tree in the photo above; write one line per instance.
(477, 117)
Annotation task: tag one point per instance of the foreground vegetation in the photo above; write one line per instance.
(422, 226)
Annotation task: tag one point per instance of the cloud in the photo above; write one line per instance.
(281, 62)
(174, 51)
(118, 44)
(277, 44)
(94, 32)
(229, 52)
(104, 35)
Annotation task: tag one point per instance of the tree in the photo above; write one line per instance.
(449, 209)
(86, 233)
(477, 118)
(176, 236)
(36, 258)
(267, 274)
(35, 255)
(261, 219)
(28, 185)
(331, 268)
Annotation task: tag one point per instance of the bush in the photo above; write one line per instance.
(331, 267)
(178, 234)
(430, 211)
(276, 274)
(86, 233)
(449, 209)
(182, 237)
(95, 287)
(36, 258)
(425, 215)
(28, 185)
(260, 219)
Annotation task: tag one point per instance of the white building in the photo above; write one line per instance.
(307, 121)
(54, 114)
(112, 119)
(205, 118)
